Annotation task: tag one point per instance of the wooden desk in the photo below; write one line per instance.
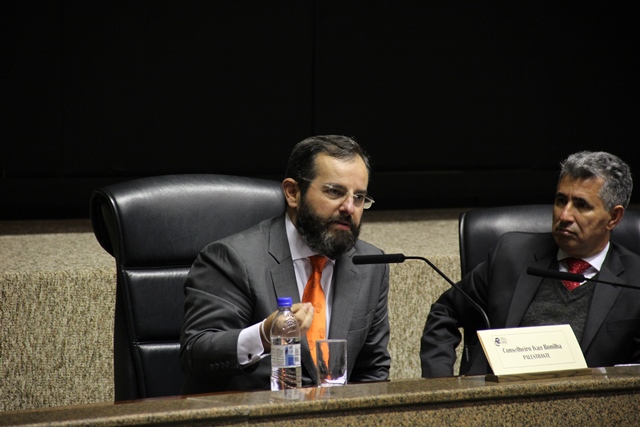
(607, 397)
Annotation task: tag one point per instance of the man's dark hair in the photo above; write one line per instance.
(302, 166)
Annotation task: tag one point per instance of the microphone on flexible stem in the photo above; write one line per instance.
(398, 258)
(572, 277)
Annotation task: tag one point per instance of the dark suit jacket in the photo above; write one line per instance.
(504, 290)
(235, 282)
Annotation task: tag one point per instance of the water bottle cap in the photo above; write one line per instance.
(284, 302)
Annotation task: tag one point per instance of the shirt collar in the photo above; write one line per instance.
(596, 260)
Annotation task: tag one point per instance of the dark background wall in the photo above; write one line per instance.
(460, 104)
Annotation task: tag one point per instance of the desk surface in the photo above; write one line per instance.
(607, 396)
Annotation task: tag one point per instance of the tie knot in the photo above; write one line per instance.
(576, 265)
(318, 262)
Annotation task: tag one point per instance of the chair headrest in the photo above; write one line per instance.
(480, 229)
(169, 219)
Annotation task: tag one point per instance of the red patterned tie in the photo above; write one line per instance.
(314, 294)
(576, 266)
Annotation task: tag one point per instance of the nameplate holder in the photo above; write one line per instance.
(532, 353)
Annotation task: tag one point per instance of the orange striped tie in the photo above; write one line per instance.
(314, 294)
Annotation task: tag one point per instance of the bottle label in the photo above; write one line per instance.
(285, 355)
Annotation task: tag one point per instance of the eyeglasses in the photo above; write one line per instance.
(339, 193)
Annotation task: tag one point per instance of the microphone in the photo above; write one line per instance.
(378, 259)
(572, 277)
(398, 258)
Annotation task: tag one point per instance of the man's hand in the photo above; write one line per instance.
(304, 315)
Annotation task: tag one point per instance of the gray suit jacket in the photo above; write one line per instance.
(504, 290)
(235, 282)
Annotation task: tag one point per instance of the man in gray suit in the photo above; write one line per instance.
(232, 288)
(592, 194)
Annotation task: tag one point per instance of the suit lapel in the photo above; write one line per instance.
(527, 286)
(346, 288)
(284, 283)
(604, 297)
(282, 275)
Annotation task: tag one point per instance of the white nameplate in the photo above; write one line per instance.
(515, 351)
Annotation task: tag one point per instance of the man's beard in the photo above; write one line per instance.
(315, 232)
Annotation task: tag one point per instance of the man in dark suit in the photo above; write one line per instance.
(592, 194)
(233, 286)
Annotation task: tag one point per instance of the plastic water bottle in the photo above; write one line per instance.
(286, 371)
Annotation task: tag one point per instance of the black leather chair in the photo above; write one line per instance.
(155, 227)
(480, 229)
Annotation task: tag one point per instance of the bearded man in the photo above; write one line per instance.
(233, 286)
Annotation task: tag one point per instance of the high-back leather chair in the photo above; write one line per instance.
(155, 227)
(480, 229)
